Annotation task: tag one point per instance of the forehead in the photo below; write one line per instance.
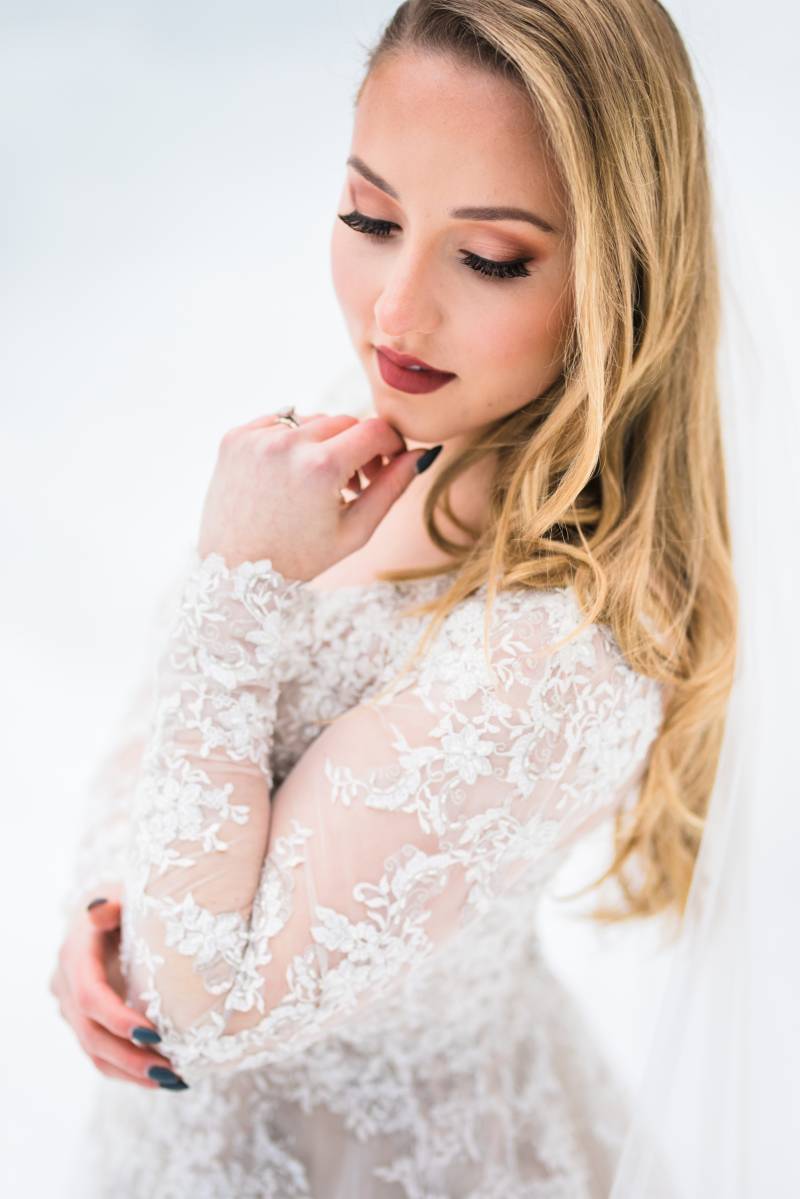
(472, 136)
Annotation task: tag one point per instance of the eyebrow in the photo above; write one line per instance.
(471, 213)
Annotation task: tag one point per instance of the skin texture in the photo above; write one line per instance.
(442, 136)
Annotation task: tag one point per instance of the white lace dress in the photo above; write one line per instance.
(333, 925)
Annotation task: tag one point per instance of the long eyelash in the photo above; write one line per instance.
(497, 270)
(367, 224)
(488, 267)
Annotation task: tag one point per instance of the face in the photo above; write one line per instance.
(431, 136)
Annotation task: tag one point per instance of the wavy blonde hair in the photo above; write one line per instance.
(613, 480)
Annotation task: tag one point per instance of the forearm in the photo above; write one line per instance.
(201, 815)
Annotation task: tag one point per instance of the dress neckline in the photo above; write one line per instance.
(377, 585)
(385, 588)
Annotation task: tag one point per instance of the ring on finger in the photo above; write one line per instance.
(286, 416)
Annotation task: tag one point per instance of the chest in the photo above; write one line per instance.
(393, 546)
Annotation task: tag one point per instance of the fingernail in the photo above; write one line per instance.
(180, 1085)
(145, 1036)
(424, 461)
(162, 1074)
(95, 904)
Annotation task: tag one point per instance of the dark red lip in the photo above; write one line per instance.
(402, 378)
(407, 360)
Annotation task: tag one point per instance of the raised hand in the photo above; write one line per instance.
(276, 491)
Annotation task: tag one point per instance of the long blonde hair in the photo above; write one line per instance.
(613, 480)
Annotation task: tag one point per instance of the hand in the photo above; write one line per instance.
(276, 491)
(88, 985)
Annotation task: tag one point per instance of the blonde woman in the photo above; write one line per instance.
(415, 658)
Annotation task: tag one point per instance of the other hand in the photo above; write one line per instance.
(88, 984)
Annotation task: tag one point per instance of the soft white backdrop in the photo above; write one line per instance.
(169, 181)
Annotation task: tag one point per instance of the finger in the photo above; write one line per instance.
(329, 424)
(366, 512)
(81, 963)
(92, 993)
(97, 1000)
(269, 418)
(354, 483)
(94, 1002)
(351, 447)
(106, 916)
(133, 1060)
(373, 467)
(130, 1061)
(326, 427)
(113, 1072)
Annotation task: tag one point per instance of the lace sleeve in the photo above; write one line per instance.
(255, 922)
(307, 697)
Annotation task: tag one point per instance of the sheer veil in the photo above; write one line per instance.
(717, 1099)
(718, 1096)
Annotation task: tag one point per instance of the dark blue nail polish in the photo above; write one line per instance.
(162, 1074)
(427, 458)
(95, 904)
(145, 1036)
(180, 1085)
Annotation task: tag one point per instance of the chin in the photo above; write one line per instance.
(395, 410)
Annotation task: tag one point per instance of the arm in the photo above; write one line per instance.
(306, 700)
(257, 922)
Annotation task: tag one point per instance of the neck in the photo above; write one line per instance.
(469, 493)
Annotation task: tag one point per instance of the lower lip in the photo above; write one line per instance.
(404, 379)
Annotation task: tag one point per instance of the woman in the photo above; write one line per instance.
(325, 843)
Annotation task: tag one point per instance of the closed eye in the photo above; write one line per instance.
(513, 269)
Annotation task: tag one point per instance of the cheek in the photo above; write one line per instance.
(521, 340)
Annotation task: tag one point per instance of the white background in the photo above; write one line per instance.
(169, 181)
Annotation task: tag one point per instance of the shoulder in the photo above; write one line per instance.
(578, 683)
(532, 633)
(534, 711)
(539, 662)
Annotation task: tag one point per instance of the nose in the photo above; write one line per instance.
(407, 302)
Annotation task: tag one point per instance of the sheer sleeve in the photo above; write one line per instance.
(308, 697)
(257, 921)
